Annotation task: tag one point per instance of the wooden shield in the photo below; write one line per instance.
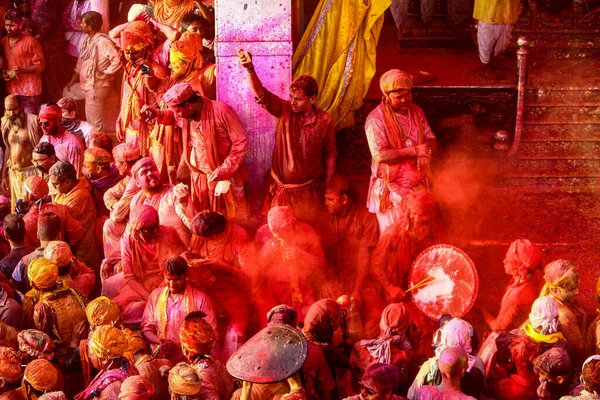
(272, 355)
(449, 282)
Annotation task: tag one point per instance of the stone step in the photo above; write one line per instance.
(579, 150)
(562, 114)
(551, 182)
(553, 167)
(558, 132)
(550, 96)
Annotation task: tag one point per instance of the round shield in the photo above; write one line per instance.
(443, 280)
(272, 355)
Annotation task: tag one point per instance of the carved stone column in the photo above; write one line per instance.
(439, 24)
(263, 28)
(413, 25)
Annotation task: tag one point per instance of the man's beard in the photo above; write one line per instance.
(17, 121)
(41, 169)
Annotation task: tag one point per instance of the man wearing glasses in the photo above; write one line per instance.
(67, 146)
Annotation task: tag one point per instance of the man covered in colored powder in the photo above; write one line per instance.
(214, 146)
(348, 243)
(102, 174)
(305, 151)
(145, 243)
(224, 251)
(168, 307)
(291, 263)
(76, 195)
(401, 143)
(20, 134)
(521, 261)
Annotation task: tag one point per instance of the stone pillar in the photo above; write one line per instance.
(263, 28)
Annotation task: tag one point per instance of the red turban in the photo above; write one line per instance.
(37, 186)
(132, 41)
(196, 335)
(523, 252)
(125, 152)
(178, 94)
(36, 343)
(136, 388)
(321, 321)
(51, 111)
(394, 320)
(67, 103)
(140, 29)
(10, 364)
(421, 202)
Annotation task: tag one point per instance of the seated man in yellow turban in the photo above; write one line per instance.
(107, 345)
(401, 143)
(72, 273)
(185, 382)
(59, 309)
(40, 376)
(147, 365)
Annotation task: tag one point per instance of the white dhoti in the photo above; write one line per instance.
(492, 39)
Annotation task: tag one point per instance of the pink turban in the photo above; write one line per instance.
(394, 320)
(523, 252)
(37, 186)
(125, 152)
(395, 79)
(178, 94)
(59, 252)
(136, 388)
(51, 111)
(67, 103)
(36, 343)
(279, 217)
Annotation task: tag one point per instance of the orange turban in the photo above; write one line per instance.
(10, 365)
(97, 156)
(37, 186)
(102, 311)
(135, 341)
(136, 388)
(59, 252)
(279, 217)
(189, 49)
(196, 335)
(42, 273)
(126, 152)
(395, 79)
(394, 320)
(184, 380)
(108, 342)
(41, 375)
(53, 396)
(51, 111)
(36, 343)
(523, 252)
(136, 33)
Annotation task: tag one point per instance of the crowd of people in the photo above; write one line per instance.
(132, 267)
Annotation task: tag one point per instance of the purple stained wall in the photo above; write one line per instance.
(263, 28)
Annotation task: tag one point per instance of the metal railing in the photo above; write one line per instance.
(522, 54)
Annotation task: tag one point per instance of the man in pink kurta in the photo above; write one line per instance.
(145, 244)
(401, 143)
(214, 146)
(24, 63)
(67, 146)
(223, 250)
(168, 306)
(95, 70)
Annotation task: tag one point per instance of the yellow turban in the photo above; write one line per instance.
(108, 342)
(59, 252)
(196, 335)
(135, 341)
(41, 375)
(42, 273)
(395, 79)
(102, 311)
(184, 380)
